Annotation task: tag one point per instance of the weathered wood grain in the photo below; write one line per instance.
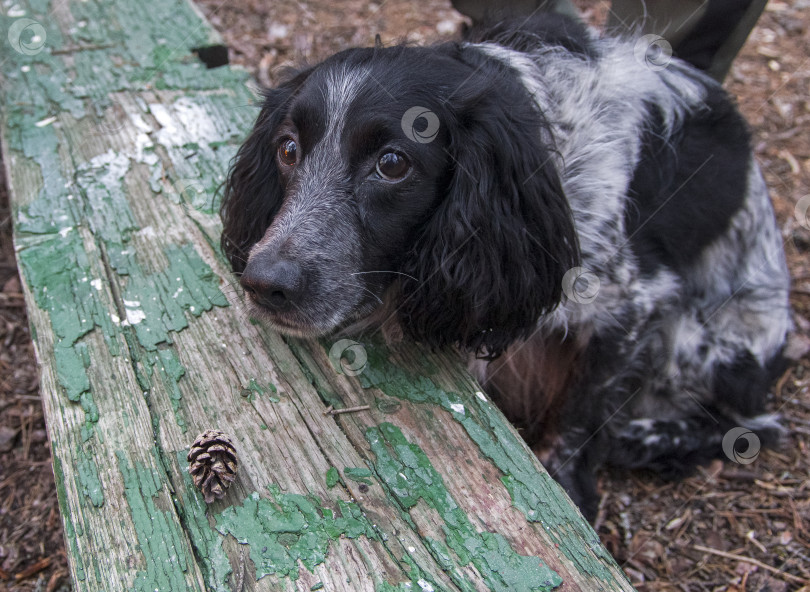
(115, 138)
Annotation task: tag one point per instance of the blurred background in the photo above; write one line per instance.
(758, 514)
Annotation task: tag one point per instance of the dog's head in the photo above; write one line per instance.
(422, 175)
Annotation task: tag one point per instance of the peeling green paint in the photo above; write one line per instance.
(88, 481)
(74, 219)
(156, 303)
(121, 257)
(67, 519)
(409, 477)
(419, 581)
(89, 407)
(74, 227)
(442, 554)
(71, 369)
(534, 493)
(254, 389)
(142, 40)
(137, 39)
(105, 207)
(288, 528)
(59, 273)
(65, 291)
(52, 211)
(168, 369)
(359, 475)
(160, 538)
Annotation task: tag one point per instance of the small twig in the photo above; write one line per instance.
(328, 410)
(750, 536)
(34, 569)
(600, 512)
(752, 561)
(349, 410)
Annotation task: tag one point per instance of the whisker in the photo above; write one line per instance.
(384, 271)
(367, 290)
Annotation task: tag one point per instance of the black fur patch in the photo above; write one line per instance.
(486, 243)
(685, 191)
(741, 385)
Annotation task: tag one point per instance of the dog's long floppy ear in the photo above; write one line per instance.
(253, 190)
(491, 260)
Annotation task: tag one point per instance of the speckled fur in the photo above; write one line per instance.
(669, 331)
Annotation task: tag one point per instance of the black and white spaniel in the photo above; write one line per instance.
(589, 225)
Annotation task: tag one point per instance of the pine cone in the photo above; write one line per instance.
(213, 464)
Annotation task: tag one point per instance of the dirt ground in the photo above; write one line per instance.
(729, 528)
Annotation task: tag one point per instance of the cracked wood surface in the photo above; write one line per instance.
(115, 138)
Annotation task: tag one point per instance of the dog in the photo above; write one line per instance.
(588, 224)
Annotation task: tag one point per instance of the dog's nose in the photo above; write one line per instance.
(275, 286)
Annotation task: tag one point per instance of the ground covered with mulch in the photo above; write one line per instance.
(729, 528)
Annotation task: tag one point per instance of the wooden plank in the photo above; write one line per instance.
(115, 138)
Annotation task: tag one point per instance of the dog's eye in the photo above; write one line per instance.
(392, 166)
(288, 152)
